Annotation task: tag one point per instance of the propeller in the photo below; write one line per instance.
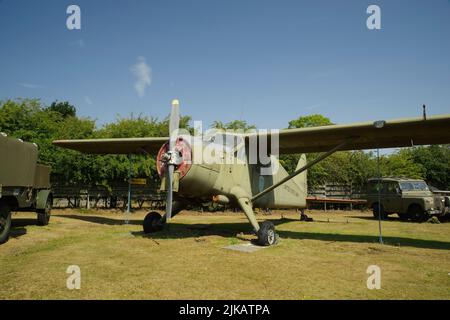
(172, 157)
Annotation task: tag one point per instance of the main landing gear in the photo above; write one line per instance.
(266, 234)
(266, 231)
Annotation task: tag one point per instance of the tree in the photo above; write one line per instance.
(29, 120)
(233, 125)
(63, 108)
(435, 163)
(320, 173)
(400, 164)
(313, 120)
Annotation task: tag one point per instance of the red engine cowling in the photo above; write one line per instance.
(185, 151)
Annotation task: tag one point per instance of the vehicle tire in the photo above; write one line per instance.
(417, 214)
(5, 222)
(376, 213)
(152, 222)
(266, 234)
(43, 215)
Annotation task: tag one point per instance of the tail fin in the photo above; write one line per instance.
(301, 179)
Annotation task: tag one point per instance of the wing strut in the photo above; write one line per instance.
(307, 166)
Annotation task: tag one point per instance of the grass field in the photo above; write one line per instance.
(324, 259)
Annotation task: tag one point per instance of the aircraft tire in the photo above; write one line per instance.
(152, 222)
(266, 234)
(5, 222)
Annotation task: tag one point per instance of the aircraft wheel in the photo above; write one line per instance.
(5, 222)
(152, 222)
(266, 234)
(43, 215)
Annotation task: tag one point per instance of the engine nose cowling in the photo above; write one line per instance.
(184, 154)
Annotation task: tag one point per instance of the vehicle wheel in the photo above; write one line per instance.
(43, 215)
(5, 222)
(152, 222)
(376, 213)
(403, 216)
(266, 234)
(417, 214)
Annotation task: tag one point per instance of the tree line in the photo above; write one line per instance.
(30, 120)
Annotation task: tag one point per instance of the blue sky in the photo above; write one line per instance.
(266, 62)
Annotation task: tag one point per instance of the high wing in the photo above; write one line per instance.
(115, 146)
(364, 135)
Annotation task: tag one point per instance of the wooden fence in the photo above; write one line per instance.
(328, 196)
(336, 196)
(82, 196)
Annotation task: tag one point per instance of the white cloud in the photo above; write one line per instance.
(142, 73)
(29, 85)
(88, 100)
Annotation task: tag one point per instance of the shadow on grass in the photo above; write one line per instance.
(394, 218)
(17, 232)
(395, 241)
(389, 218)
(100, 220)
(23, 222)
(18, 226)
(229, 230)
(177, 231)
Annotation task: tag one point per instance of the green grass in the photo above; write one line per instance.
(314, 260)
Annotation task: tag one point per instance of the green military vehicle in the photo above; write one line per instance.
(24, 184)
(410, 199)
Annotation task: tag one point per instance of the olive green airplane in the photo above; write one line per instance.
(243, 182)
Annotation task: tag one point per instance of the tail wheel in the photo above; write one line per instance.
(266, 234)
(152, 222)
(5, 222)
(417, 213)
(379, 210)
(43, 215)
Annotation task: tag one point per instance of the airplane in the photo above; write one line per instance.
(240, 183)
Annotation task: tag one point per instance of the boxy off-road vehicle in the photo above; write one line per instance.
(24, 184)
(408, 198)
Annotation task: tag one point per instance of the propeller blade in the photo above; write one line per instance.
(169, 191)
(174, 123)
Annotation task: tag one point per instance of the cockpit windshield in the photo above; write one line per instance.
(221, 138)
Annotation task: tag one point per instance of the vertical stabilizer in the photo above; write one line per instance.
(301, 179)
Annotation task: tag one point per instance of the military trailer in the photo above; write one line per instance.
(24, 184)
(410, 199)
